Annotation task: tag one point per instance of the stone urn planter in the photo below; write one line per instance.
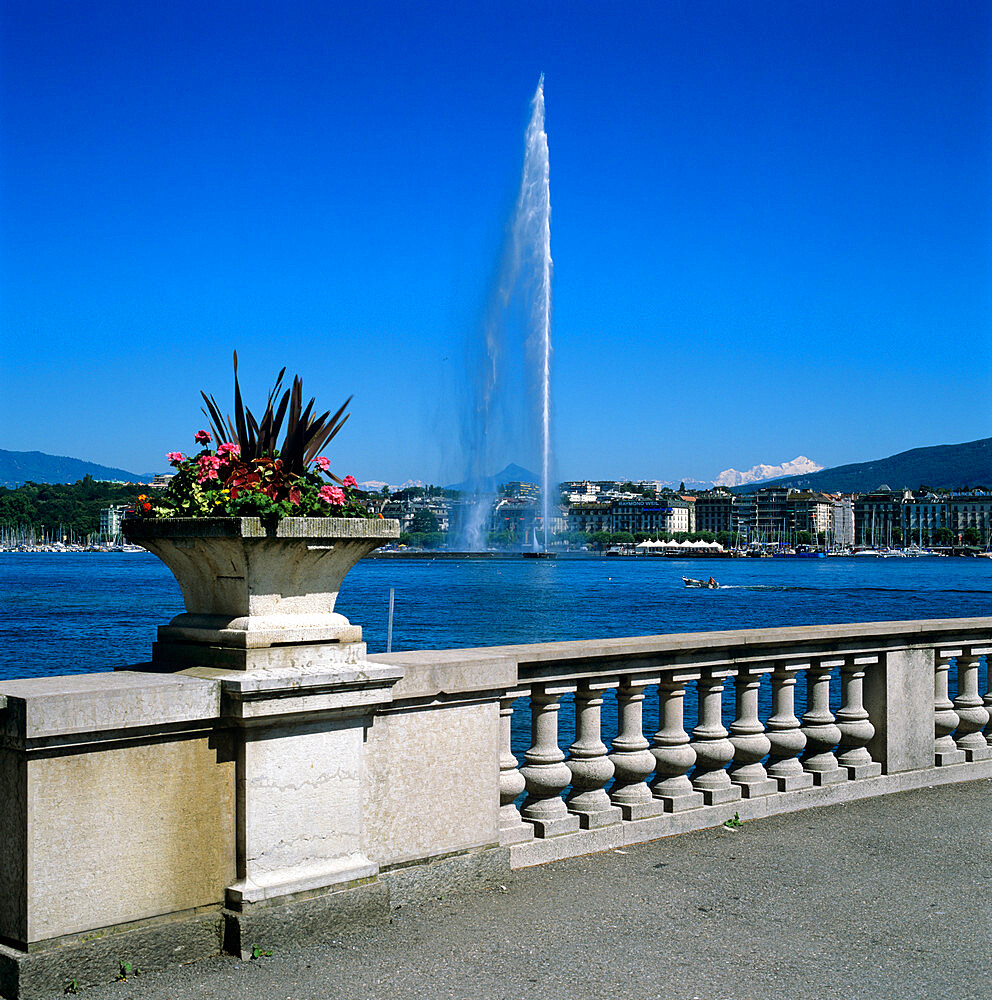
(249, 584)
(296, 690)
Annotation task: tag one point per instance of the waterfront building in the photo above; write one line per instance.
(636, 514)
(519, 517)
(639, 515)
(528, 491)
(970, 512)
(110, 520)
(715, 511)
(405, 510)
(161, 481)
(691, 501)
(879, 516)
(763, 515)
(777, 514)
(931, 518)
(842, 536)
(590, 517)
(812, 512)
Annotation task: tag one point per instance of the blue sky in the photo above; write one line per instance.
(771, 223)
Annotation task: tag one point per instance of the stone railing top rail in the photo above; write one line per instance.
(137, 529)
(54, 708)
(452, 670)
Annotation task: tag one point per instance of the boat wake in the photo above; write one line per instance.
(866, 590)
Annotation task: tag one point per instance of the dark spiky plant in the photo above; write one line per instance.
(305, 435)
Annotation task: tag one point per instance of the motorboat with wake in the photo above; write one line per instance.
(709, 584)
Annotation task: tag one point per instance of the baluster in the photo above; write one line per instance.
(747, 735)
(822, 734)
(671, 749)
(545, 773)
(986, 651)
(972, 713)
(709, 739)
(512, 829)
(945, 719)
(633, 762)
(853, 722)
(591, 769)
(784, 733)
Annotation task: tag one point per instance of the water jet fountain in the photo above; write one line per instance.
(509, 414)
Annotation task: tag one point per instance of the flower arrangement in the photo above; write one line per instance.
(251, 473)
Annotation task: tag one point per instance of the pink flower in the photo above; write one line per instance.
(349, 481)
(201, 437)
(229, 449)
(208, 465)
(175, 457)
(322, 463)
(332, 495)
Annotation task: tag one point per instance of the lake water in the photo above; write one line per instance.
(80, 612)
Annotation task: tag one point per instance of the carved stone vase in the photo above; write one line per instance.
(250, 584)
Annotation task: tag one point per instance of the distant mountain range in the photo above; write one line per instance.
(19, 467)
(489, 484)
(945, 466)
(797, 467)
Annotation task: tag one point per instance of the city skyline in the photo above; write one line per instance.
(770, 227)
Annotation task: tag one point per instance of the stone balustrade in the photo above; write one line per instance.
(155, 816)
(866, 726)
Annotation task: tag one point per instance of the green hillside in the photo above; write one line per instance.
(17, 467)
(946, 466)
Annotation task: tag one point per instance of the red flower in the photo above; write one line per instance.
(201, 437)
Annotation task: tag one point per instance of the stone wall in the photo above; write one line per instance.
(153, 816)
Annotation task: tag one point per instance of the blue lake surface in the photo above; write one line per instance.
(81, 612)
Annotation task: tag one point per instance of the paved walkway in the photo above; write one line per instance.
(886, 898)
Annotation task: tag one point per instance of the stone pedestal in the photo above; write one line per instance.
(299, 752)
(296, 687)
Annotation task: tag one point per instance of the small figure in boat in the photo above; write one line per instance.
(712, 584)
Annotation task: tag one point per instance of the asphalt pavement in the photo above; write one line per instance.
(886, 898)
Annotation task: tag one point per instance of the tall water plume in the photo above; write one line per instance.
(508, 418)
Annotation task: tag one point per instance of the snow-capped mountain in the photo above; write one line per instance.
(375, 485)
(800, 466)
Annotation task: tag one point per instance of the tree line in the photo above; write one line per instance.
(74, 506)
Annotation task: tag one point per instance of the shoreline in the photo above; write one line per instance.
(446, 555)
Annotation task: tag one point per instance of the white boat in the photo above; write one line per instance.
(709, 584)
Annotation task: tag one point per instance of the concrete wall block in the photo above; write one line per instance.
(432, 781)
(898, 696)
(122, 834)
